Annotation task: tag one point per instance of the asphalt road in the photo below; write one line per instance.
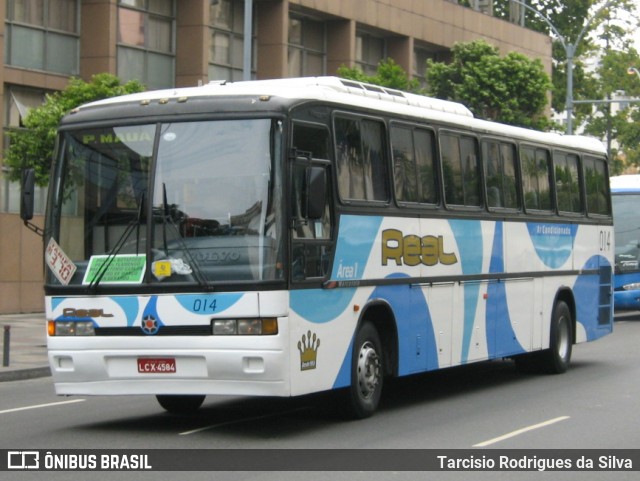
(595, 405)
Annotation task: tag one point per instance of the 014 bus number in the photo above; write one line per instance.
(205, 305)
(605, 241)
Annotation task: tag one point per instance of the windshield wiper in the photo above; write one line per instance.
(133, 224)
(167, 218)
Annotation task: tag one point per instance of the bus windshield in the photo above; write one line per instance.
(185, 202)
(627, 231)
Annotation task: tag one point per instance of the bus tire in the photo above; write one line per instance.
(556, 359)
(367, 373)
(180, 404)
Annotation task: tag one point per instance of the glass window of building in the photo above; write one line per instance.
(370, 50)
(307, 47)
(226, 49)
(146, 46)
(18, 101)
(420, 57)
(43, 35)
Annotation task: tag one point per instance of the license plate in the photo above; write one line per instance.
(156, 365)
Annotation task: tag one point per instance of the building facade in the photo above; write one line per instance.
(176, 43)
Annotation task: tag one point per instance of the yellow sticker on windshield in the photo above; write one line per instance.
(162, 268)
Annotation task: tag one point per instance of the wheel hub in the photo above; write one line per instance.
(368, 370)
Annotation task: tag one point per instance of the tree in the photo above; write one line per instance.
(389, 74)
(570, 19)
(620, 129)
(33, 145)
(511, 89)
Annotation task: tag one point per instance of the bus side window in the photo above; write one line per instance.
(500, 174)
(361, 159)
(413, 165)
(596, 185)
(311, 246)
(460, 170)
(535, 178)
(567, 183)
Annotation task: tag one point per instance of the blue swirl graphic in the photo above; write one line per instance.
(468, 235)
(501, 338)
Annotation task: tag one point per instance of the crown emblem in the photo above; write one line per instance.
(308, 348)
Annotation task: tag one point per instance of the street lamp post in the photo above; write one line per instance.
(570, 50)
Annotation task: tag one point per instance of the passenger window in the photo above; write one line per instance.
(413, 154)
(500, 173)
(535, 178)
(597, 186)
(460, 170)
(567, 183)
(361, 160)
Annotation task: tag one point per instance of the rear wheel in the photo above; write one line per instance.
(366, 372)
(556, 359)
(180, 404)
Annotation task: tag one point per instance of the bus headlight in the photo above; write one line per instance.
(631, 287)
(245, 327)
(71, 328)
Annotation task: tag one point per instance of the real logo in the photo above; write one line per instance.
(412, 250)
(84, 313)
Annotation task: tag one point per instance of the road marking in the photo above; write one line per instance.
(243, 420)
(40, 406)
(520, 431)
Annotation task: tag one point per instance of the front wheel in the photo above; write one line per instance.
(366, 372)
(178, 404)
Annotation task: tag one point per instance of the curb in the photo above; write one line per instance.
(23, 374)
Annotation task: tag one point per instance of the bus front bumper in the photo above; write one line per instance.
(193, 370)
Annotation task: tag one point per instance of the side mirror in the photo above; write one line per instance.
(28, 192)
(316, 192)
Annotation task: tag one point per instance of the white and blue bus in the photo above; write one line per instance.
(625, 197)
(285, 237)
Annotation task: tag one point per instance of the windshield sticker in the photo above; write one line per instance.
(59, 263)
(121, 269)
(166, 267)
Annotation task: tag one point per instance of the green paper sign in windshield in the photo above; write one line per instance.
(122, 269)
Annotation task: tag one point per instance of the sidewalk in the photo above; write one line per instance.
(27, 347)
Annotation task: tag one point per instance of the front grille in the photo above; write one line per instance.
(163, 331)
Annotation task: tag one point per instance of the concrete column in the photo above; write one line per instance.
(193, 40)
(98, 37)
(400, 49)
(273, 36)
(341, 45)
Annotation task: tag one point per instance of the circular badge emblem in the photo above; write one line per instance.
(149, 325)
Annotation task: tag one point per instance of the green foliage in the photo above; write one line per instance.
(389, 74)
(32, 147)
(511, 89)
(587, 25)
(621, 129)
